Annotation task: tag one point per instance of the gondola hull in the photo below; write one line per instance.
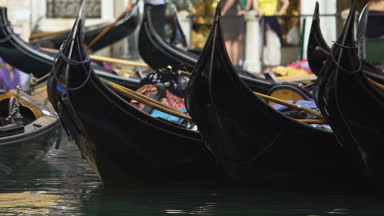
(256, 144)
(363, 119)
(122, 147)
(121, 143)
(316, 57)
(352, 103)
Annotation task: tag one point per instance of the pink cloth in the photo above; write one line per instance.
(301, 65)
(171, 99)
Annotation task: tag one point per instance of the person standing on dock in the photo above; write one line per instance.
(269, 10)
(232, 23)
(158, 8)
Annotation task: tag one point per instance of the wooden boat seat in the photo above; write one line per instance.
(289, 92)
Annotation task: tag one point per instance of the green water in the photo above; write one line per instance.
(63, 184)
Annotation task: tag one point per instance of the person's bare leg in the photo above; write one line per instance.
(235, 52)
(228, 45)
(241, 48)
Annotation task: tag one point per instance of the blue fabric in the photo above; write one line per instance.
(60, 88)
(160, 114)
(282, 108)
(310, 104)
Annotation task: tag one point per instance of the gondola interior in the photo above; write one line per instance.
(8, 105)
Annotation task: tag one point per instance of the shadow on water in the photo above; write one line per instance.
(207, 201)
(63, 184)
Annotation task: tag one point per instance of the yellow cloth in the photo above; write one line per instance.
(289, 71)
(268, 7)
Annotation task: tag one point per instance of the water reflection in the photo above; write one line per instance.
(27, 203)
(53, 186)
(63, 184)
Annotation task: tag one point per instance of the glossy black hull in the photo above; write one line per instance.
(352, 104)
(316, 58)
(121, 143)
(363, 119)
(256, 144)
(121, 30)
(318, 50)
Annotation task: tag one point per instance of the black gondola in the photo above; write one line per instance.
(318, 50)
(316, 57)
(122, 29)
(158, 54)
(27, 137)
(121, 143)
(16, 52)
(256, 144)
(351, 101)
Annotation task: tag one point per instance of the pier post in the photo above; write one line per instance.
(253, 39)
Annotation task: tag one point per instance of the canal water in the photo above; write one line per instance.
(63, 184)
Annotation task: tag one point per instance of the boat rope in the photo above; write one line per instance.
(70, 61)
(337, 63)
(73, 63)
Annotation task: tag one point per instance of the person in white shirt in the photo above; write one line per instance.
(158, 14)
